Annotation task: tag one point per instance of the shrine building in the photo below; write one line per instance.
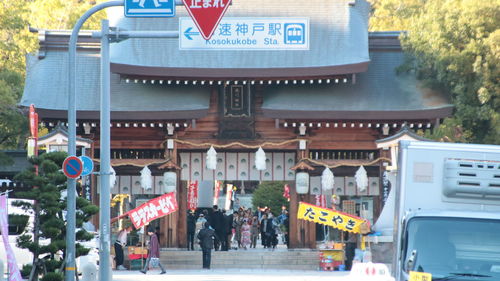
(320, 91)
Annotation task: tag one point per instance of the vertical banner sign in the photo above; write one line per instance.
(193, 195)
(217, 192)
(15, 275)
(32, 140)
(321, 201)
(386, 187)
(229, 196)
(153, 209)
(206, 14)
(33, 122)
(286, 192)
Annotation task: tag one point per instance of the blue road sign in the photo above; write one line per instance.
(88, 165)
(72, 167)
(150, 8)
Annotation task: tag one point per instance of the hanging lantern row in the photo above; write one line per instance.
(327, 180)
(353, 125)
(119, 124)
(237, 82)
(260, 159)
(89, 125)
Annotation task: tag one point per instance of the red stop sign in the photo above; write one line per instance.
(206, 14)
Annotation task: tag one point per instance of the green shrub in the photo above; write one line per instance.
(270, 194)
(26, 270)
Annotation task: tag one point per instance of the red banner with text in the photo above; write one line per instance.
(193, 195)
(217, 192)
(153, 209)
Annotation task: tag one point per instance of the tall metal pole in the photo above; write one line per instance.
(71, 199)
(104, 201)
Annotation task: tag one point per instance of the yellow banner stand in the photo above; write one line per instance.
(336, 219)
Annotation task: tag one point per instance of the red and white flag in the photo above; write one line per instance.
(193, 195)
(153, 209)
(217, 192)
(229, 196)
(286, 192)
(321, 201)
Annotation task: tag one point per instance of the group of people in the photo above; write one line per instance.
(242, 227)
(217, 230)
(153, 258)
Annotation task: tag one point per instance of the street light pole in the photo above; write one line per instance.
(104, 202)
(70, 266)
(107, 36)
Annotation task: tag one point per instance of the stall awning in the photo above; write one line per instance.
(47, 88)
(380, 93)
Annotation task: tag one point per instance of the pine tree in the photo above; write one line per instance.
(49, 212)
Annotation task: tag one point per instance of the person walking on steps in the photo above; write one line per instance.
(120, 243)
(191, 228)
(207, 237)
(153, 259)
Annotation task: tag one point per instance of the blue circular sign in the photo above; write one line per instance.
(88, 165)
(72, 167)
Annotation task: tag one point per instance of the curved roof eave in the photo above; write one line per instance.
(423, 114)
(240, 73)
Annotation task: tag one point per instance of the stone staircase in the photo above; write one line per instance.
(244, 259)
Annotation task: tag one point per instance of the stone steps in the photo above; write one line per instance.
(244, 259)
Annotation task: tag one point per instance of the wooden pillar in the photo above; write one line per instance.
(302, 233)
(182, 218)
(294, 227)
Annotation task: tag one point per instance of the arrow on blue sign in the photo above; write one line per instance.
(188, 33)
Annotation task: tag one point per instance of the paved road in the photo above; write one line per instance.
(230, 275)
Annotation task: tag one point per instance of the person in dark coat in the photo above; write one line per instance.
(191, 228)
(153, 253)
(270, 232)
(217, 222)
(263, 227)
(228, 225)
(206, 237)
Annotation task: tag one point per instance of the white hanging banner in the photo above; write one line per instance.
(361, 179)
(260, 159)
(112, 177)
(146, 178)
(211, 159)
(327, 179)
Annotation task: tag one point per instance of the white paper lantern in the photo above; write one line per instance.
(112, 177)
(169, 182)
(361, 179)
(212, 159)
(327, 179)
(302, 182)
(146, 178)
(260, 159)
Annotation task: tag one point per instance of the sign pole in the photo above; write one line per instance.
(71, 185)
(104, 200)
(104, 205)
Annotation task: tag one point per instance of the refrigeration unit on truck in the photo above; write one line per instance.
(447, 218)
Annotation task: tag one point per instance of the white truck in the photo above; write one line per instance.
(447, 211)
